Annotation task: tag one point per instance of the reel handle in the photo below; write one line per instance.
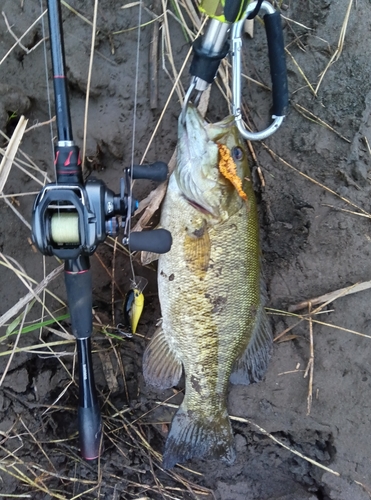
(155, 240)
(156, 171)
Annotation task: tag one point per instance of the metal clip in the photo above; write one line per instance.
(236, 78)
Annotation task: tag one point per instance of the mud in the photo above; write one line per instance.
(313, 243)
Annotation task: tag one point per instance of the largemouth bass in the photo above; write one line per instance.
(210, 289)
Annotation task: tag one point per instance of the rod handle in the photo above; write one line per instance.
(89, 417)
(80, 302)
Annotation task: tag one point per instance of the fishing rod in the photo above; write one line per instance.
(71, 218)
(228, 17)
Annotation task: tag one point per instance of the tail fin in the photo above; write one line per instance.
(192, 436)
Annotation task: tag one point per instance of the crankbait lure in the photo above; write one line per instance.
(134, 303)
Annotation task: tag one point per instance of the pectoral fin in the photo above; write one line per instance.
(161, 368)
(197, 250)
(253, 363)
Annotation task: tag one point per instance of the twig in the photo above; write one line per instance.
(18, 214)
(287, 330)
(37, 125)
(258, 167)
(193, 14)
(16, 195)
(318, 120)
(166, 40)
(310, 366)
(275, 155)
(18, 163)
(310, 460)
(339, 48)
(74, 11)
(31, 164)
(38, 445)
(11, 151)
(24, 34)
(25, 312)
(18, 40)
(331, 296)
(153, 61)
(367, 144)
(250, 422)
(109, 273)
(301, 71)
(30, 295)
(34, 349)
(296, 22)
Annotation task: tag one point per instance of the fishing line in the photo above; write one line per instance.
(128, 220)
(89, 82)
(48, 92)
(51, 135)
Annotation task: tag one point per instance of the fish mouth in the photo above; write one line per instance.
(194, 121)
(197, 206)
(197, 173)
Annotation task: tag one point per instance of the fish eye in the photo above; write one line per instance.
(237, 153)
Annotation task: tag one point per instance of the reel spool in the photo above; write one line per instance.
(64, 228)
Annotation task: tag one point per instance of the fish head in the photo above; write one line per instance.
(212, 165)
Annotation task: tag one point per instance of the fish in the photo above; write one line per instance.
(211, 291)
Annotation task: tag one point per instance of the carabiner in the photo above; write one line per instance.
(278, 70)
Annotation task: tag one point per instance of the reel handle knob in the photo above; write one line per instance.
(156, 171)
(155, 240)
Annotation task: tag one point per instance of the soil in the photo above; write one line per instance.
(314, 241)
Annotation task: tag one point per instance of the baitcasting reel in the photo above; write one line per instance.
(71, 219)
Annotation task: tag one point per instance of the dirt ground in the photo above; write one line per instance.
(315, 238)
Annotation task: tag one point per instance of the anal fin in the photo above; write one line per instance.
(160, 366)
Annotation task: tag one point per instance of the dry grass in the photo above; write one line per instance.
(31, 454)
